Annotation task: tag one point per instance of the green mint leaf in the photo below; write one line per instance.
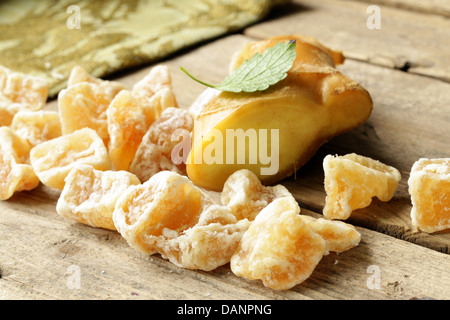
(259, 72)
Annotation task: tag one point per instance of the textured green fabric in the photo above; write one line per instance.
(48, 37)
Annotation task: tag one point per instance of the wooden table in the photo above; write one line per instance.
(405, 67)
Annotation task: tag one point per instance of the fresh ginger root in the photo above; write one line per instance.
(289, 121)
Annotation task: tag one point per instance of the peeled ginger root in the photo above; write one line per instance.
(314, 103)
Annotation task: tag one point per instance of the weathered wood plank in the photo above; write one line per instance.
(406, 40)
(42, 255)
(440, 7)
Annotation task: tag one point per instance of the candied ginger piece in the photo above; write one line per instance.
(351, 181)
(89, 195)
(128, 119)
(37, 126)
(429, 187)
(19, 92)
(52, 160)
(162, 100)
(15, 173)
(158, 78)
(156, 148)
(216, 214)
(160, 208)
(157, 86)
(278, 247)
(132, 112)
(84, 105)
(244, 193)
(207, 245)
(78, 74)
(202, 100)
(339, 236)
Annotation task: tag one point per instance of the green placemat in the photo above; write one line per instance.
(48, 37)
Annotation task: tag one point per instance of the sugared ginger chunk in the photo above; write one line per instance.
(351, 181)
(131, 113)
(15, 172)
(52, 160)
(429, 187)
(169, 215)
(157, 150)
(85, 101)
(20, 92)
(89, 195)
(207, 245)
(244, 193)
(339, 236)
(37, 126)
(163, 206)
(278, 247)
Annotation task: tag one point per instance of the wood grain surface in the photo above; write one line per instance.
(406, 40)
(40, 252)
(437, 7)
(44, 251)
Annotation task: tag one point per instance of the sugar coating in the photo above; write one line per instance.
(128, 119)
(131, 113)
(157, 149)
(278, 247)
(351, 181)
(20, 92)
(84, 102)
(37, 126)
(16, 174)
(157, 78)
(244, 193)
(52, 160)
(165, 201)
(202, 100)
(89, 195)
(339, 236)
(169, 215)
(429, 187)
(207, 245)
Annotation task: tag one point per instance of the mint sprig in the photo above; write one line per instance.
(259, 72)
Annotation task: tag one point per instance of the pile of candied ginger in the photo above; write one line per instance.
(108, 150)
